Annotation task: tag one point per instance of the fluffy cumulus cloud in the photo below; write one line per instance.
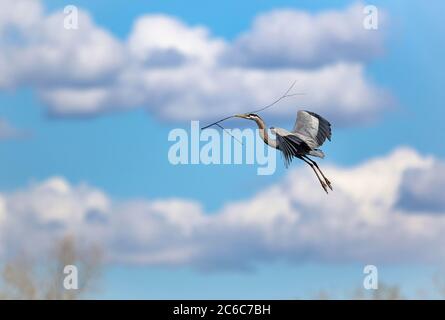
(180, 72)
(423, 189)
(38, 50)
(366, 219)
(293, 38)
(160, 41)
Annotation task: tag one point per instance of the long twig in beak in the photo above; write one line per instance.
(285, 95)
(217, 122)
(225, 130)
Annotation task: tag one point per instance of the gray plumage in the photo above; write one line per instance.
(314, 127)
(309, 133)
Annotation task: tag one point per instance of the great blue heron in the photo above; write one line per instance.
(309, 133)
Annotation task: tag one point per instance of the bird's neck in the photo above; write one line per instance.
(264, 135)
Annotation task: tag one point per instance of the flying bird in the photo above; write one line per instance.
(309, 133)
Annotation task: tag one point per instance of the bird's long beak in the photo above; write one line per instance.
(240, 116)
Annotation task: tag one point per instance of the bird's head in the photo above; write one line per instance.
(248, 116)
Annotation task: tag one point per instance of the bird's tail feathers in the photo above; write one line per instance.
(317, 153)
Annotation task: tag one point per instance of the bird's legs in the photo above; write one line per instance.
(323, 184)
(316, 165)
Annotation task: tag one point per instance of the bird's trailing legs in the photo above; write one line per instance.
(323, 184)
(316, 165)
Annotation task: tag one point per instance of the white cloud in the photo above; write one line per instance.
(42, 53)
(294, 38)
(423, 189)
(157, 35)
(21, 14)
(339, 92)
(55, 200)
(180, 72)
(292, 220)
(2, 210)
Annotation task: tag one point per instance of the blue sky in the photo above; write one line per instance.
(124, 153)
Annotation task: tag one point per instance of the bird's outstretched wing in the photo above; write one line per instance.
(312, 128)
(290, 145)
